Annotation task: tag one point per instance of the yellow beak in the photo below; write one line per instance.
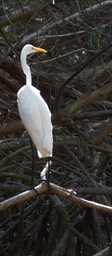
(38, 49)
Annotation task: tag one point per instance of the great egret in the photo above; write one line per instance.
(33, 110)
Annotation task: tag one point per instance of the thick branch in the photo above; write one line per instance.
(90, 98)
(21, 14)
(66, 194)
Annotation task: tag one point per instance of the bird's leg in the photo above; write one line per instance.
(45, 174)
(33, 162)
(33, 167)
(48, 171)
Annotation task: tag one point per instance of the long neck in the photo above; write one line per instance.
(26, 69)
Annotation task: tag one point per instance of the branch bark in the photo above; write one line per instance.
(70, 18)
(65, 194)
(22, 14)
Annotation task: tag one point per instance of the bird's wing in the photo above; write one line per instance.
(45, 115)
(29, 112)
(36, 118)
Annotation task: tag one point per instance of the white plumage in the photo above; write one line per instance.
(33, 110)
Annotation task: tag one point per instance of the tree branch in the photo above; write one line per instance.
(66, 194)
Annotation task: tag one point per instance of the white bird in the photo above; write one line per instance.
(33, 110)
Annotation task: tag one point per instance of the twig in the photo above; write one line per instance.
(102, 253)
(70, 18)
(75, 106)
(98, 94)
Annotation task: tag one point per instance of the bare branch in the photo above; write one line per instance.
(66, 194)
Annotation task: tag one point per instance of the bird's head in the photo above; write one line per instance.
(28, 49)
